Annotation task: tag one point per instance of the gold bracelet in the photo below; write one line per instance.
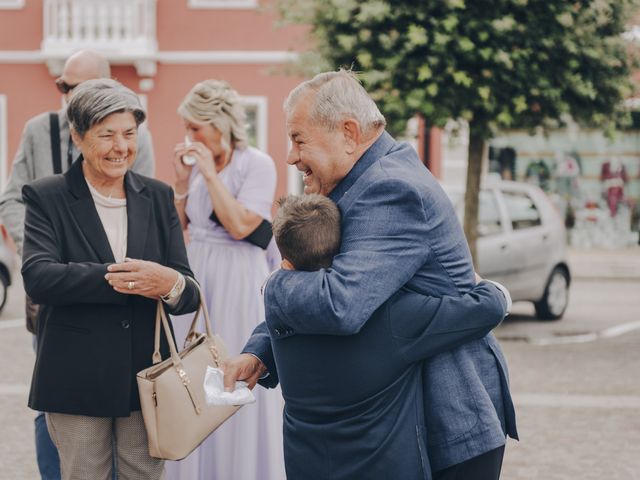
(176, 290)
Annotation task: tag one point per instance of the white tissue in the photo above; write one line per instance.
(215, 394)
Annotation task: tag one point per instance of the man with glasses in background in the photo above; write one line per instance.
(46, 148)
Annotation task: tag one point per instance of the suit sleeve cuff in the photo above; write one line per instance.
(266, 374)
(505, 292)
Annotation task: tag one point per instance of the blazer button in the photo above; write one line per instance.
(125, 323)
(278, 332)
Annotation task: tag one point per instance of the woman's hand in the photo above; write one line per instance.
(182, 171)
(140, 277)
(204, 159)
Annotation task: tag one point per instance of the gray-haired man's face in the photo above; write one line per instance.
(320, 154)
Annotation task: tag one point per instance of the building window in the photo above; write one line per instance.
(295, 185)
(3, 140)
(256, 110)
(222, 4)
(11, 4)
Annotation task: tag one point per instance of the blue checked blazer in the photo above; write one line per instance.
(399, 229)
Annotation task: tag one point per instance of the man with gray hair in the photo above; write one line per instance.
(46, 148)
(399, 230)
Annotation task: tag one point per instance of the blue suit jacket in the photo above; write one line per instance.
(400, 229)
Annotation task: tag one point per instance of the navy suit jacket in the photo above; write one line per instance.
(400, 229)
(353, 403)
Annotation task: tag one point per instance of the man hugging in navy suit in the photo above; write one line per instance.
(399, 232)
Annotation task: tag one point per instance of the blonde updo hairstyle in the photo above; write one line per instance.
(214, 102)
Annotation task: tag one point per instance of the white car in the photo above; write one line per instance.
(522, 244)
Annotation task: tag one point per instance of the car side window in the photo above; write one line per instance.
(489, 222)
(522, 210)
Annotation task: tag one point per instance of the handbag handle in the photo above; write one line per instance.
(205, 312)
(175, 358)
(161, 318)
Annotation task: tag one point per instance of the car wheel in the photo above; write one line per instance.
(4, 283)
(556, 296)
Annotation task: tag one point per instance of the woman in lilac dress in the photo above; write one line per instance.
(224, 201)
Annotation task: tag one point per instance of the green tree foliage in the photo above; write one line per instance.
(494, 63)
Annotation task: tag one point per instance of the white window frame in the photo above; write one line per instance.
(262, 134)
(11, 4)
(295, 185)
(3, 140)
(223, 4)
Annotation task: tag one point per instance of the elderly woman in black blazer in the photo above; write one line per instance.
(102, 245)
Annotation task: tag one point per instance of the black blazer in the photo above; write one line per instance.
(92, 340)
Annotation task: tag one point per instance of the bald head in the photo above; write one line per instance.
(85, 65)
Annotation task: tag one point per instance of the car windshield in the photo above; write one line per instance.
(489, 221)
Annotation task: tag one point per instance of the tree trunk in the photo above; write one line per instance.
(424, 142)
(471, 197)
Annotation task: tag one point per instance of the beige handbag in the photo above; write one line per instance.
(176, 415)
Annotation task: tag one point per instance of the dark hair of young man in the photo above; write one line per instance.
(307, 231)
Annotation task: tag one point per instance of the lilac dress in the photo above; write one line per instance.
(231, 272)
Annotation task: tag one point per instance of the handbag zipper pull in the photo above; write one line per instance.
(186, 382)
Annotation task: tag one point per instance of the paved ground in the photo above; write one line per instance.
(575, 381)
(577, 396)
(605, 264)
(578, 410)
(17, 452)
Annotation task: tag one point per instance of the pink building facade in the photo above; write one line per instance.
(159, 49)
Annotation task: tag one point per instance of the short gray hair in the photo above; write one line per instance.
(306, 229)
(338, 95)
(216, 103)
(95, 100)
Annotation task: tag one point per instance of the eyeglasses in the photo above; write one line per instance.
(64, 87)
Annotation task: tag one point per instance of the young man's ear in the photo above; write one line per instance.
(352, 134)
(286, 265)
